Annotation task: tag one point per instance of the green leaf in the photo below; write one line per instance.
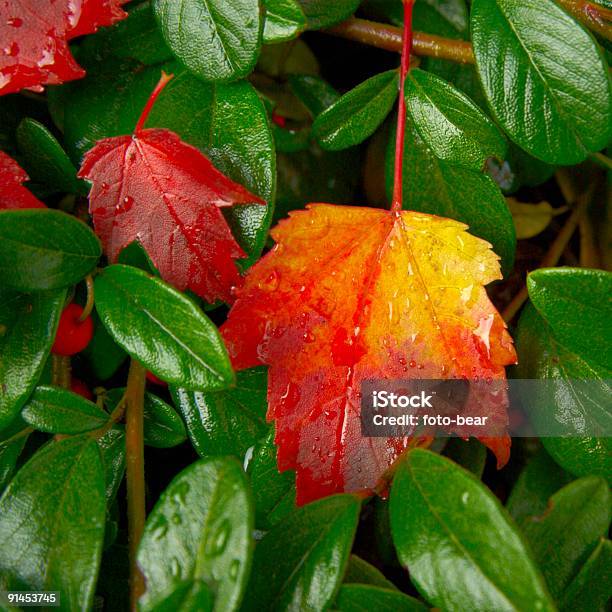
(365, 598)
(112, 450)
(590, 589)
(45, 249)
(163, 427)
(27, 328)
(188, 596)
(56, 410)
(567, 533)
(217, 40)
(44, 159)
(438, 187)
(200, 529)
(469, 454)
(228, 123)
(544, 77)
(161, 328)
(134, 255)
(323, 13)
(459, 544)
(226, 422)
(449, 123)
(357, 114)
(575, 302)
(299, 564)
(542, 356)
(104, 357)
(137, 37)
(359, 571)
(52, 522)
(284, 20)
(540, 479)
(273, 492)
(313, 92)
(12, 441)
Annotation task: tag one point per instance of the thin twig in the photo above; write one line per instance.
(602, 160)
(555, 251)
(388, 37)
(596, 18)
(134, 453)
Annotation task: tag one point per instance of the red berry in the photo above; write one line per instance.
(279, 120)
(156, 381)
(72, 335)
(78, 386)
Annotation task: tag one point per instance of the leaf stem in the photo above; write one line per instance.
(396, 202)
(90, 298)
(163, 81)
(596, 18)
(60, 371)
(601, 160)
(554, 252)
(388, 37)
(134, 453)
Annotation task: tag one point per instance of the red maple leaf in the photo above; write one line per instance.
(156, 189)
(351, 294)
(34, 34)
(12, 193)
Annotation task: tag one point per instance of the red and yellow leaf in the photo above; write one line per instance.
(354, 293)
(35, 34)
(156, 189)
(12, 193)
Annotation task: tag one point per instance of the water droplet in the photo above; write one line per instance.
(180, 493)
(308, 337)
(175, 567)
(412, 363)
(270, 283)
(176, 519)
(160, 528)
(465, 497)
(14, 22)
(219, 540)
(234, 568)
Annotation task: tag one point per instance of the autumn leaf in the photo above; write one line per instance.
(35, 38)
(353, 293)
(12, 193)
(156, 189)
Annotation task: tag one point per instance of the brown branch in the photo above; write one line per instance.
(596, 18)
(555, 251)
(60, 371)
(134, 454)
(389, 37)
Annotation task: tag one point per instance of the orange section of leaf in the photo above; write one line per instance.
(350, 294)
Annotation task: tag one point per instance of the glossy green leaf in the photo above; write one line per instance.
(313, 92)
(470, 454)
(162, 328)
(544, 77)
(228, 123)
(273, 492)
(134, 255)
(27, 329)
(163, 427)
(359, 571)
(45, 249)
(567, 533)
(112, 450)
(540, 479)
(299, 564)
(365, 598)
(449, 123)
(542, 356)
(103, 355)
(44, 159)
(575, 302)
(590, 589)
(226, 422)
(56, 410)
(462, 550)
(200, 529)
(137, 37)
(357, 114)
(284, 20)
(12, 441)
(324, 13)
(439, 187)
(188, 596)
(217, 40)
(52, 522)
